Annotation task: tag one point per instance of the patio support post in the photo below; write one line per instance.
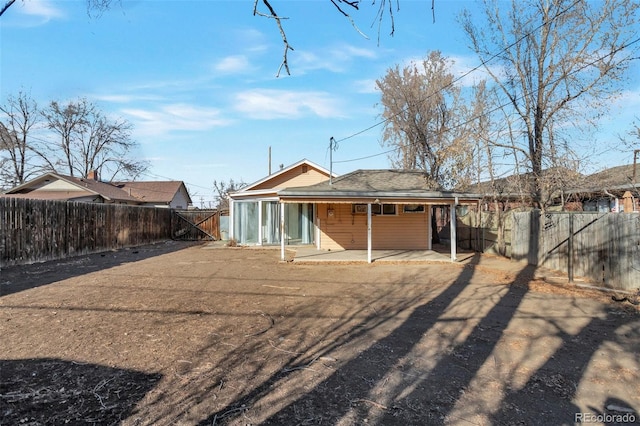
(453, 230)
(282, 233)
(429, 228)
(260, 231)
(231, 234)
(369, 233)
(317, 229)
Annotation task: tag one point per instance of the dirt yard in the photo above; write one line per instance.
(177, 334)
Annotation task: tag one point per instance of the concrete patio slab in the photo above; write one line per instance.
(310, 254)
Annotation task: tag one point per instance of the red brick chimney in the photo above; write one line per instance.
(92, 175)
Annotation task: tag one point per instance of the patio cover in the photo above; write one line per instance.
(378, 187)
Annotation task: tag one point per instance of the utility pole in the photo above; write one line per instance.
(635, 159)
(332, 145)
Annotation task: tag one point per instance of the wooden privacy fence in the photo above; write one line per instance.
(486, 232)
(40, 230)
(602, 247)
(195, 225)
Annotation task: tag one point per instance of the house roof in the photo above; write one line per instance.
(517, 184)
(131, 192)
(153, 191)
(88, 186)
(382, 184)
(614, 178)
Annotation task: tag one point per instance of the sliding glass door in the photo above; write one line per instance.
(270, 222)
(258, 222)
(245, 222)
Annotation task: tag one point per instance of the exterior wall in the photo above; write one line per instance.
(180, 200)
(53, 185)
(344, 230)
(293, 178)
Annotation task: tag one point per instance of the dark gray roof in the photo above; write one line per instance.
(619, 177)
(375, 183)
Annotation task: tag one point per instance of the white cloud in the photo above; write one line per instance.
(470, 71)
(336, 59)
(270, 104)
(367, 86)
(43, 9)
(124, 98)
(174, 117)
(233, 65)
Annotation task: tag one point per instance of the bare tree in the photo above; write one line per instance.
(88, 140)
(19, 117)
(556, 64)
(425, 120)
(222, 190)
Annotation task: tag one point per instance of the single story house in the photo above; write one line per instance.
(365, 209)
(55, 186)
(615, 189)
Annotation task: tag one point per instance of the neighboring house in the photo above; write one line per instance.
(172, 194)
(54, 186)
(365, 209)
(255, 210)
(616, 189)
(516, 191)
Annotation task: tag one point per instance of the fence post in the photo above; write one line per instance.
(570, 248)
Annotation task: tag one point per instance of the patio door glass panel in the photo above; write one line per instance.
(299, 220)
(306, 219)
(270, 222)
(245, 222)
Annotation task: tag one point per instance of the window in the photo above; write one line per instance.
(413, 208)
(383, 209)
(376, 209)
(359, 208)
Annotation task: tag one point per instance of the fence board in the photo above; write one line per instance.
(605, 247)
(41, 230)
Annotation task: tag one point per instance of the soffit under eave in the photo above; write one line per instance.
(256, 195)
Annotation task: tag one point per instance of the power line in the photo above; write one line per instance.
(500, 106)
(455, 80)
(474, 69)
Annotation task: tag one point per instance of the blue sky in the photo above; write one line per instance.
(197, 79)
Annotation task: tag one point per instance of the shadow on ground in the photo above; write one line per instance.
(55, 392)
(381, 385)
(22, 277)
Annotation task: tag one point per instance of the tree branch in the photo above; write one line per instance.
(273, 15)
(6, 6)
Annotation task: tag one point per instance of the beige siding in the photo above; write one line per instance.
(344, 230)
(58, 185)
(293, 178)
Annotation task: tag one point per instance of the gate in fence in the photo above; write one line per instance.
(196, 225)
